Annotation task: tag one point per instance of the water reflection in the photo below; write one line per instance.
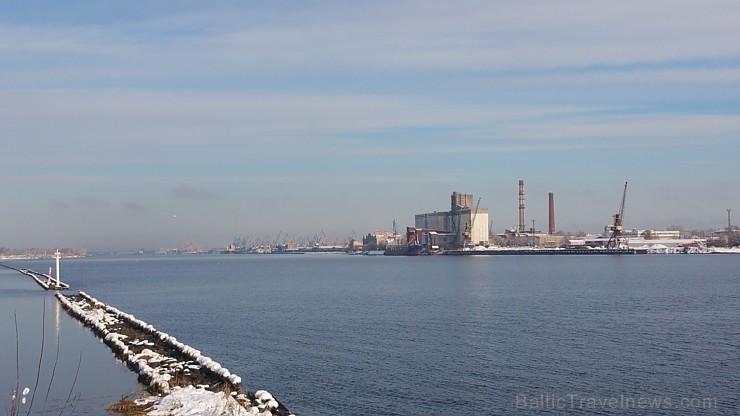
(57, 309)
(36, 364)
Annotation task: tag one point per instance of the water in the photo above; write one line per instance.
(356, 335)
(83, 378)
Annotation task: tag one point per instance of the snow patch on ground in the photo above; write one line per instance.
(725, 250)
(191, 401)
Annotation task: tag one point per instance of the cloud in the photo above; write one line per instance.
(235, 44)
(190, 192)
(80, 201)
(59, 205)
(133, 206)
(308, 121)
(469, 36)
(195, 192)
(87, 201)
(265, 79)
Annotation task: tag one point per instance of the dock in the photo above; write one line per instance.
(540, 252)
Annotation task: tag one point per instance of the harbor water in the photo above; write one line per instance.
(66, 369)
(364, 335)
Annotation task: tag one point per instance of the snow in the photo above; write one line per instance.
(263, 396)
(191, 401)
(726, 250)
(158, 369)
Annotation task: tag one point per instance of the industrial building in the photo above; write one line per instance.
(463, 225)
(647, 234)
(382, 240)
(522, 235)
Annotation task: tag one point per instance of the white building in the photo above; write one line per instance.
(464, 224)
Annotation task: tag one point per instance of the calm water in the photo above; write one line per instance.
(356, 335)
(99, 381)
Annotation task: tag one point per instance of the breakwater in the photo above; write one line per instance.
(164, 364)
(46, 281)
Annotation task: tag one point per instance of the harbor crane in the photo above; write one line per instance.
(318, 239)
(615, 238)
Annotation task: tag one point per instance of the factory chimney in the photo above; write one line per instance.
(522, 225)
(551, 228)
(729, 223)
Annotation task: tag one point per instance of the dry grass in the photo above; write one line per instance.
(127, 406)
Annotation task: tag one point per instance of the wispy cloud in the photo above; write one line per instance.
(383, 36)
(133, 206)
(306, 120)
(191, 192)
(79, 201)
(204, 193)
(87, 201)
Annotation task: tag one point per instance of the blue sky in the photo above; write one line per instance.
(252, 118)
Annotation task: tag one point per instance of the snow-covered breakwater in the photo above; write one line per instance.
(164, 364)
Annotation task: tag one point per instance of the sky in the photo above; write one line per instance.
(136, 124)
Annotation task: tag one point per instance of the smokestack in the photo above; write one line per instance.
(551, 228)
(522, 225)
(729, 224)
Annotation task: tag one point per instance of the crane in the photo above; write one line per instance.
(318, 239)
(617, 228)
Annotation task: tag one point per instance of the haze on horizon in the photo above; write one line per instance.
(129, 125)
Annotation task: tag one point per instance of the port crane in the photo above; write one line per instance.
(615, 238)
(318, 239)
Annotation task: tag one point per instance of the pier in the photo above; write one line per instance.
(164, 364)
(46, 281)
(176, 374)
(539, 252)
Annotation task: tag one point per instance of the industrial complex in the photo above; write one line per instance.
(465, 226)
(464, 229)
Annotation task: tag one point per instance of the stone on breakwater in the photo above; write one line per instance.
(158, 357)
